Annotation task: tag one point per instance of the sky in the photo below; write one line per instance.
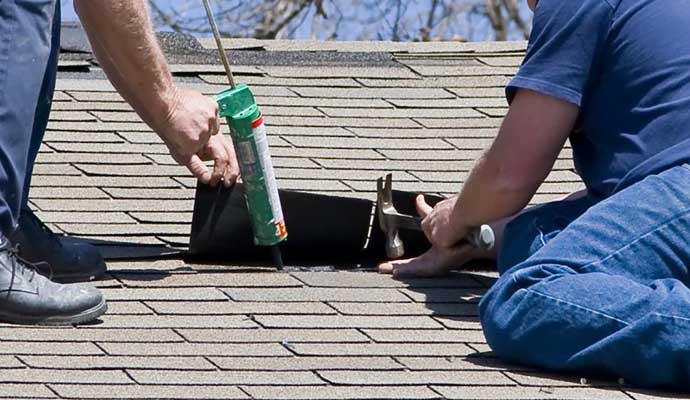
(478, 29)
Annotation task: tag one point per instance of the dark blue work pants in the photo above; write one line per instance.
(29, 49)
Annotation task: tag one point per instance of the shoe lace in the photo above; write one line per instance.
(20, 265)
(34, 220)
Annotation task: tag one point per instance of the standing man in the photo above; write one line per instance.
(597, 282)
(122, 39)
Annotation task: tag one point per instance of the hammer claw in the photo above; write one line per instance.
(384, 191)
(388, 190)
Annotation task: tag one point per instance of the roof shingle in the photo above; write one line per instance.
(339, 114)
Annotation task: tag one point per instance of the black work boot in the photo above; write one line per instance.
(65, 259)
(27, 297)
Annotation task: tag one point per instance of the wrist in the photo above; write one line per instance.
(460, 222)
(164, 110)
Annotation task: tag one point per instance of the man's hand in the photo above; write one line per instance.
(219, 149)
(438, 223)
(440, 259)
(435, 262)
(190, 131)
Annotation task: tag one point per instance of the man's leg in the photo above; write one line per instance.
(608, 293)
(533, 228)
(44, 102)
(70, 260)
(24, 51)
(26, 297)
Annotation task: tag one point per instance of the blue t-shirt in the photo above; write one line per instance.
(626, 64)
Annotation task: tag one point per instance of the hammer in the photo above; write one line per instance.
(390, 221)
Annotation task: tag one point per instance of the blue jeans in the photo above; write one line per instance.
(29, 48)
(599, 288)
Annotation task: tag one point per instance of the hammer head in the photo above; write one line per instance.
(386, 212)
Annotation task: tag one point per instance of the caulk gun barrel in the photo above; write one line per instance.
(219, 43)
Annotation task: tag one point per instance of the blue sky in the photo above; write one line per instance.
(476, 29)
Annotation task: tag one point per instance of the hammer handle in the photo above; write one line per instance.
(405, 221)
(481, 237)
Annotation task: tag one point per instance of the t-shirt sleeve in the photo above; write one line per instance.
(565, 44)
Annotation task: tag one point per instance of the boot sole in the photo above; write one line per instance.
(81, 277)
(55, 320)
(78, 278)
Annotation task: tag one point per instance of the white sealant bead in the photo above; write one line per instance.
(583, 381)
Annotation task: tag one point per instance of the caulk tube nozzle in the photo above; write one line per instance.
(277, 256)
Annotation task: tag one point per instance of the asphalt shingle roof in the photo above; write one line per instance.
(339, 115)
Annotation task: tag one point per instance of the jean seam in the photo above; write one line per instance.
(671, 316)
(638, 239)
(541, 233)
(546, 296)
(5, 50)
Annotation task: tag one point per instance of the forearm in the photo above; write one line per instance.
(482, 201)
(510, 172)
(489, 195)
(124, 43)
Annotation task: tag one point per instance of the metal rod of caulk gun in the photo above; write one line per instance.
(219, 43)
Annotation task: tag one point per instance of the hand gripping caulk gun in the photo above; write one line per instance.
(248, 132)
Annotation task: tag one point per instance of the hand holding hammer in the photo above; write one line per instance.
(390, 221)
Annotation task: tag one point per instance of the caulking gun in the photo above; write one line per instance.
(248, 132)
